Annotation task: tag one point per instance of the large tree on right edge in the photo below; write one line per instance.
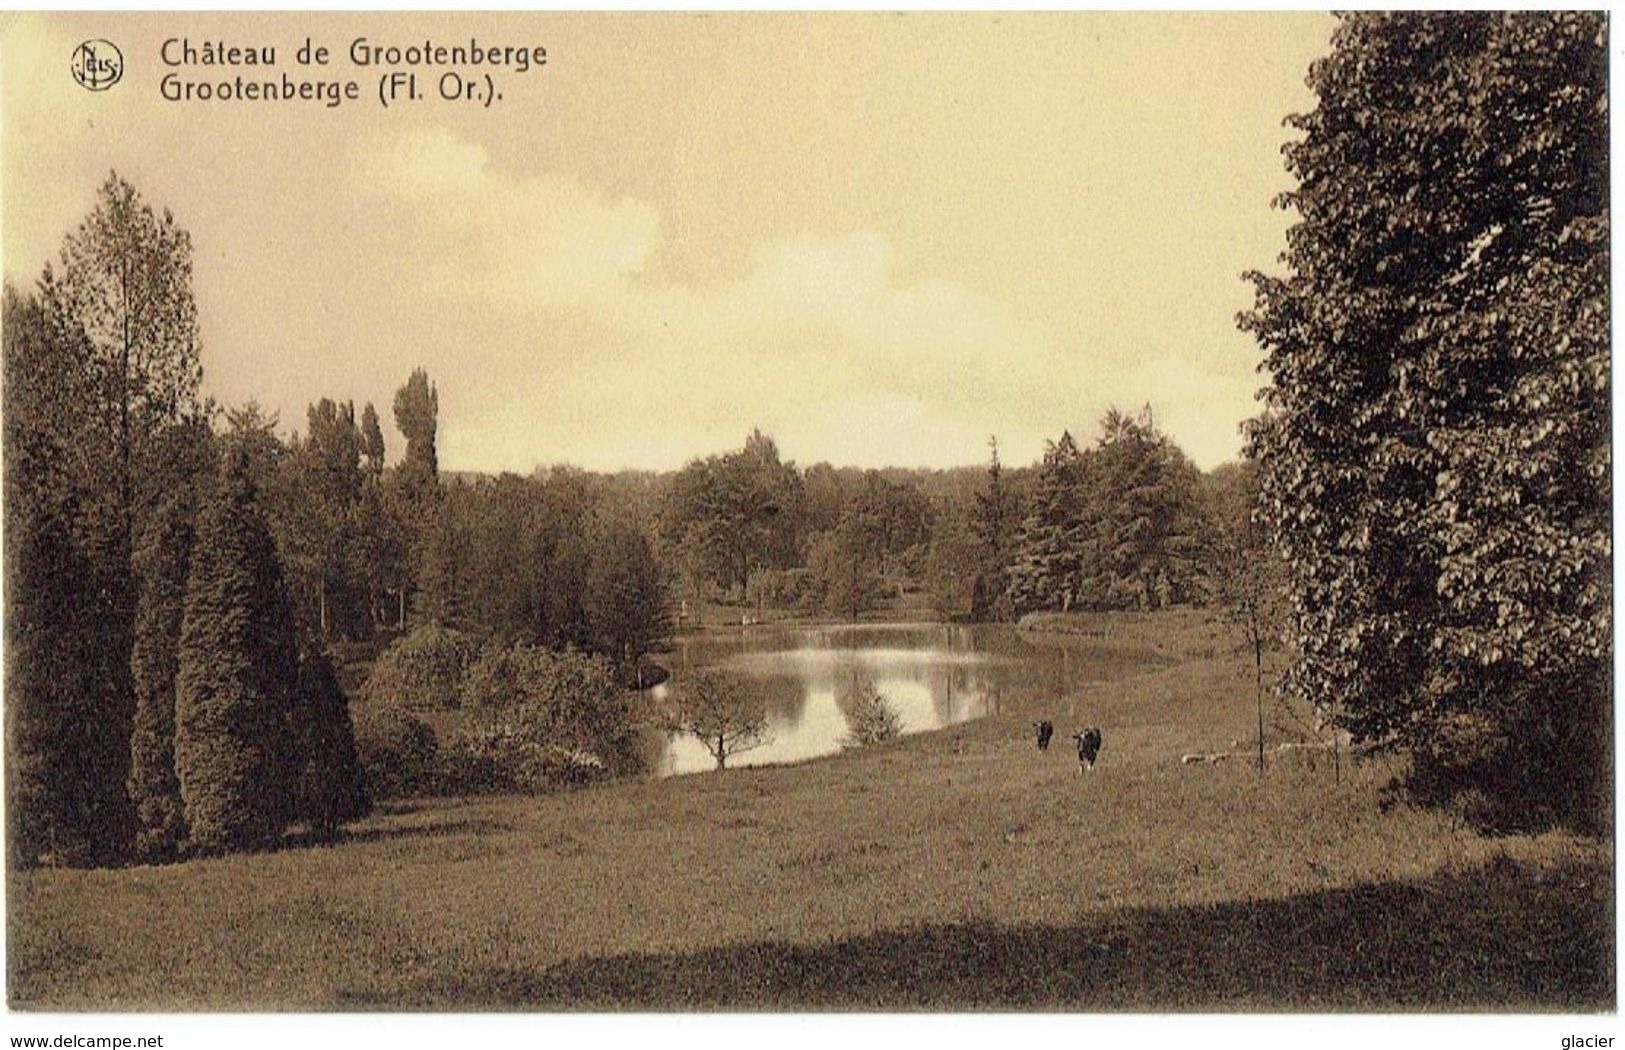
(1434, 450)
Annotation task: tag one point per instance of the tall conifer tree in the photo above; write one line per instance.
(161, 561)
(1047, 572)
(235, 755)
(332, 787)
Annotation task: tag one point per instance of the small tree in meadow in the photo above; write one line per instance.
(719, 712)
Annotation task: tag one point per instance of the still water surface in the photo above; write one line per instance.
(933, 675)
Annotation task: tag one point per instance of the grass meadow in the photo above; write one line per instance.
(960, 869)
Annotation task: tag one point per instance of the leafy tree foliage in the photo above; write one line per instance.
(1048, 573)
(379, 555)
(1147, 520)
(544, 718)
(997, 521)
(111, 365)
(1245, 579)
(319, 511)
(843, 575)
(417, 411)
(372, 442)
(399, 753)
(252, 430)
(823, 497)
(120, 302)
(235, 755)
(954, 572)
(737, 512)
(522, 551)
(1121, 525)
(1435, 448)
(422, 671)
(441, 581)
(891, 521)
(625, 601)
(56, 806)
(57, 672)
(418, 500)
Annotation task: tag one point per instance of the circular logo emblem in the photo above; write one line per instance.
(97, 65)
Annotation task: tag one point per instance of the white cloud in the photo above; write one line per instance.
(486, 236)
(818, 339)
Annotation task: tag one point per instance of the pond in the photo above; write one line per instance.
(932, 675)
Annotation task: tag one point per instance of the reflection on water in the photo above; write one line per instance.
(932, 675)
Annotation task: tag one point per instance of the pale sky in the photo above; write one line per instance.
(880, 238)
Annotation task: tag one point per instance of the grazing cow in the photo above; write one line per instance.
(1045, 731)
(1089, 742)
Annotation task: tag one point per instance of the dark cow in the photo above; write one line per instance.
(1089, 742)
(1045, 731)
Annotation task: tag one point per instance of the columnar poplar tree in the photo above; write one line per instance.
(1435, 445)
(417, 406)
(419, 500)
(372, 442)
(235, 755)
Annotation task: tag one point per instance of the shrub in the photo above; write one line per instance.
(332, 787)
(468, 765)
(422, 671)
(543, 719)
(505, 754)
(398, 754)
(870, 717)
(496, 680)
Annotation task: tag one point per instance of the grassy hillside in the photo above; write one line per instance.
(953, 869)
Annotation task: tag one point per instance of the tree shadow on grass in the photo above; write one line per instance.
(1502, 937)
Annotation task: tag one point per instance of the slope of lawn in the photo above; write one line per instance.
(961, 868)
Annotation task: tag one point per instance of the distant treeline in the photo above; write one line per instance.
(1128, 523)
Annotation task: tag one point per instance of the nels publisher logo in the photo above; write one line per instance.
(97, 65)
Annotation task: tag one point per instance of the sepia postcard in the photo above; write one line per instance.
(940, 513)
